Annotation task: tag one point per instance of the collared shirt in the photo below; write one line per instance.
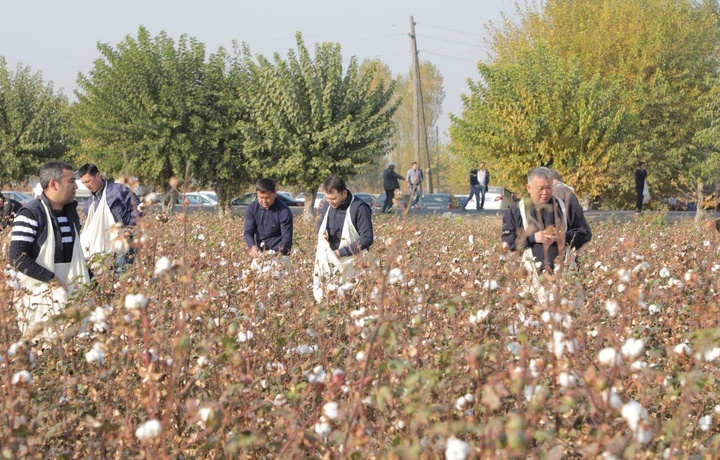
(123, 203)
(269, 228)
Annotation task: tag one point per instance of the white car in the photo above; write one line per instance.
(318, 199)
(81, 193)
(495, 198)
(209, 194)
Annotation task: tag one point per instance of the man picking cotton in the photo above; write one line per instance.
(268, 224)
(344, 233)
(111, 208)
(45, 248)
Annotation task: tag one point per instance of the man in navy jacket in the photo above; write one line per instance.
(268, 222)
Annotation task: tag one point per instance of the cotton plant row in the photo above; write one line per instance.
(438, 351)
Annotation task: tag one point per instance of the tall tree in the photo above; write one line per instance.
(308, 120)
(33, 120)
(139, 109)
(653, 57)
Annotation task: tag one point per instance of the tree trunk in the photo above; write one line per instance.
(700, 199)
(309, 211)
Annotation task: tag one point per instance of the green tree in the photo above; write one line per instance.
(308, 120)
(652, 57)
(140, 108)
(33, 121)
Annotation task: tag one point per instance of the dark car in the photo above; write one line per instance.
(250, 197)
(440, 201)
(368, 198)
(401, 202)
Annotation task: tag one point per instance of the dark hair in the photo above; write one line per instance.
(265, 185)
(640, 163)
(335, 183)
(52, 171)
(413, 163)
(88, 168)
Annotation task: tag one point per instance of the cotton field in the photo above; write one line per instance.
(437, 351)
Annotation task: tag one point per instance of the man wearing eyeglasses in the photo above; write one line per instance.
(540, 224)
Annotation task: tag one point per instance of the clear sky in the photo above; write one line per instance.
(59, 37)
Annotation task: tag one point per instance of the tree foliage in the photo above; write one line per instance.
(637, 71)
(308, 120)
(33, 123)
(141, 109)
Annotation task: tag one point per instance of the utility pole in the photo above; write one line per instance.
(419, 109)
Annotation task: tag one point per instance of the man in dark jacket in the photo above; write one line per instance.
(339, 199)
(541, 225)
(390, 184)
(268, 222)
(45, 247)
(109, 202)
(640, 176)
(474, 189)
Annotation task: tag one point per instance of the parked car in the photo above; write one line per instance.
(209, 194)
(368, 198)
(495, 198)
(401, 200)
(196, 202)
(248, 198)
(440, 201)
(81, 193)
(20, 197)
(462, 199)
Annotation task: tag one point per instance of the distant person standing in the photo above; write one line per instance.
(414, 178)
(474, 189)
(390, 184)
(640, 186)
(483, 180)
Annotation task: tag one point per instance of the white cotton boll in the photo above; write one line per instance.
(644, 434)
(96, 354)
(460, 403)
(533, 368)
(21, 377)
(135, 301)
(206, 415)
(203, 361)
(481, 315)
(705, 422)
(609, 357)
(624, 276)
(567, 379)
(611, 398)
(162, 265)
(682, 349)
(322, 428)
(395, 276)
(304, 349)
(653, 309)
(612, 307)
(317, 375)
(638, 365)
(642, 266)
(244, 336)
(120, 245)
(530, 393)
(330, 410)
(557, 344)
(360, 356)
(711, 354)
(148, 430)
(664, 272)
(280, 400)
(632, 348)
(400, 425)
(634, 413)
(471, 239)
(621, 288)
(455, 449)
(470, 398)
(491, 285)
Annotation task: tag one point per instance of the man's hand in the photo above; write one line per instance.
(255, 252)
(546, 236)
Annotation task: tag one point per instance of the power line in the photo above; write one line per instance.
(450, 30)
(446, 56)
(321, 34)
(450, 41)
